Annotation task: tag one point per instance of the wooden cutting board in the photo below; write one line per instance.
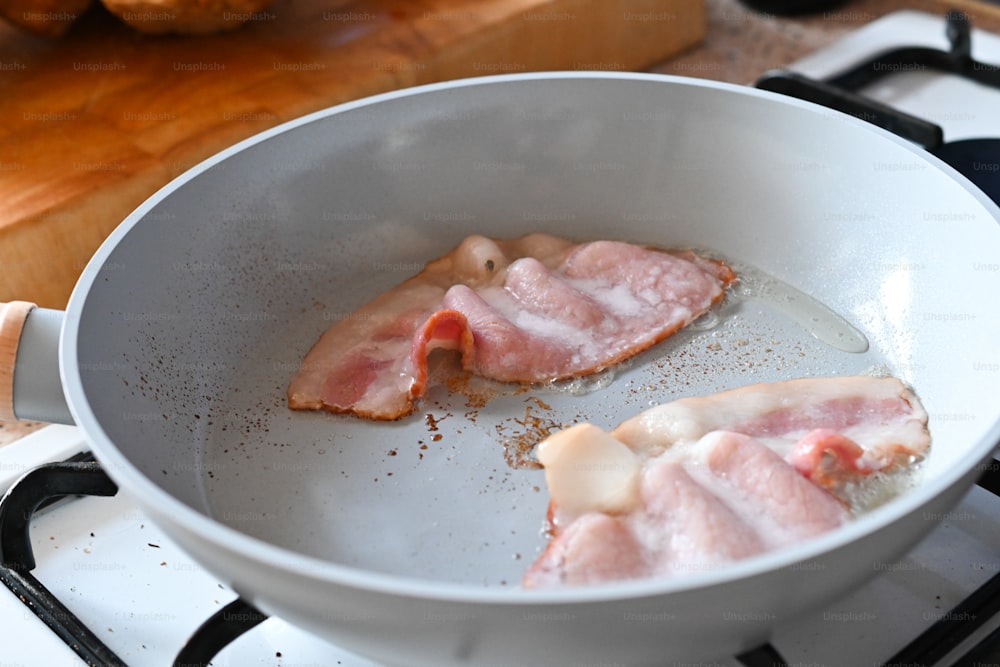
(95, 122)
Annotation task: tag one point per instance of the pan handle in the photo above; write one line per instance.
(29, 345)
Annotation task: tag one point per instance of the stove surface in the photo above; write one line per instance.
(963, 109)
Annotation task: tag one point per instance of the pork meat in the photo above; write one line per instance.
(701, 482)
(533, 309)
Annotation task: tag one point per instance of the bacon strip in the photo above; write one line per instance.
(533, 309)
(721, 477)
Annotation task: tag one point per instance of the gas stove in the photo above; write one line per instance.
(140, 600)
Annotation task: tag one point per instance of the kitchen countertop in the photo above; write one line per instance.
(741, 44)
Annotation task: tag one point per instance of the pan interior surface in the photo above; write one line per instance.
(197, 317)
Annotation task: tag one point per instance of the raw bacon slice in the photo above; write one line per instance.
(533, 309)
(701, 482)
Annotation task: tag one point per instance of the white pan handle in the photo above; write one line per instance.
(29, 345)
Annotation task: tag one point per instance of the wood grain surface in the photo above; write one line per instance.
(93, 123)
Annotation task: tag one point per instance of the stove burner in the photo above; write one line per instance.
(222, 628)
(82, 476)
(37, 488)
(976, 159)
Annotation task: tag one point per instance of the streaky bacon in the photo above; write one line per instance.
(532, 309)
(721, 477)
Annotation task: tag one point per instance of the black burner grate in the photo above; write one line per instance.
(840, 92)
(36, 489)
(81, 476)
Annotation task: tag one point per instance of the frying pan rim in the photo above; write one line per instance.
(159, 502)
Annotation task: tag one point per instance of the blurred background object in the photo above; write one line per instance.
(53, 18)
(792, 7)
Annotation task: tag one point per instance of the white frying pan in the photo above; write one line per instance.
(405, 541)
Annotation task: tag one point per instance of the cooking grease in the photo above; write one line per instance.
(809, 313)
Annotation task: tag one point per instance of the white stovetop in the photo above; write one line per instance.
(143, 596)
(943, 100)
